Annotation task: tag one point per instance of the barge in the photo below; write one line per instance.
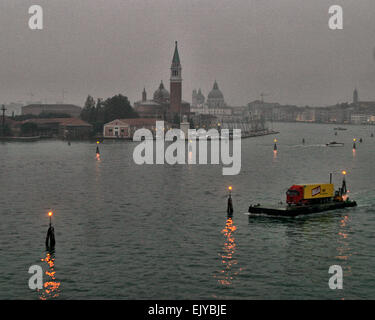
(300, 210)
(307, 199)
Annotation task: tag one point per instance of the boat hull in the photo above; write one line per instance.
(334, 144)
(300, 210)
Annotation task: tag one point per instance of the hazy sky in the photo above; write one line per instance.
(283, 48)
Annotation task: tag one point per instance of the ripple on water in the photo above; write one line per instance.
(159, 232)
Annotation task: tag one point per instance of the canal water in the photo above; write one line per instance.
(125, 231)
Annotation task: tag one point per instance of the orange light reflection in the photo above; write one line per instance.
(226, 276)
(274, 154)
(343, 249)
(51, 288)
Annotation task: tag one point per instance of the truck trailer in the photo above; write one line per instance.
(309, 194)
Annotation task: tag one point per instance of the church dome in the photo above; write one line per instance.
(215, 93)
(161, 94)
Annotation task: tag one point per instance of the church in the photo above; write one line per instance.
(215, 104)
(165, 105)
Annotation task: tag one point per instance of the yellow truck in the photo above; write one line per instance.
(307, 193)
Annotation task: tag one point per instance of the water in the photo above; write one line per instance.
(160, 232)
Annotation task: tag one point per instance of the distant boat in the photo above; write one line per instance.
(340, 128)
(334, 144)
(21, 139)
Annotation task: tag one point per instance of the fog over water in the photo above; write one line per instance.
(283, 48)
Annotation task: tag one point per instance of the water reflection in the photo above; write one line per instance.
(190, 157)
(228, 272)
(51, 287)
(274, 155)
(343, 249)
(97, 170)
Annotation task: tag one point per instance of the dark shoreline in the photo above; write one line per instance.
(39, 138)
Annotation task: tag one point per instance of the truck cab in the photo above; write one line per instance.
(294, 195)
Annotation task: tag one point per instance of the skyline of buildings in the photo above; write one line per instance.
(170, 106)
(359, 112)
(355, 112)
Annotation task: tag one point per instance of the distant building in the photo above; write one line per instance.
(306, 115)
(14, 108)
(67, 128)
(165, 105)
(214, 106)
(265, 109)
(9, 125)
(153, 108)
(175, 108)
(125, 128)
(356, 112)
(198, 99)
(361, 108)
(355, 96)
(359, 118)
(36, 109)
(73, 128)
(215, 99)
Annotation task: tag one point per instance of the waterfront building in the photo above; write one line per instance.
(73, 128)
(9, 125)
(359, 119)
(306, 115)
(355, 112)
(125, 128)
(37, 109)
(265, 109)
(116, 129)
(67, 128)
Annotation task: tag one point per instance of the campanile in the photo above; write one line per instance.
(176, 87)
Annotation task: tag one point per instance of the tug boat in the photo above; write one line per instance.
(307, 199)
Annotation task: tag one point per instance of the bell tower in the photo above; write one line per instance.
(144, 95)
(176, 86)
(355, 96)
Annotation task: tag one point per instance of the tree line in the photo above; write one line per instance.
(98, 112)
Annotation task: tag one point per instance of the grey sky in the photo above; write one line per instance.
(103, 47)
